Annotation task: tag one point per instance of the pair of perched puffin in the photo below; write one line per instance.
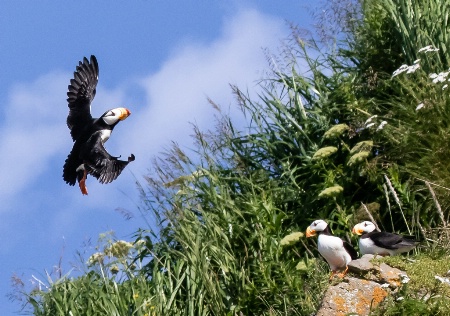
(88, 155)
(338, 253)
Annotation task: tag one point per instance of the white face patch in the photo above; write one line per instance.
(111, 117)
(319, 225)
(366, 226)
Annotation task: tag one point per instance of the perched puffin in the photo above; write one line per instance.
(88, 155)
(382, 243)
(337, 252)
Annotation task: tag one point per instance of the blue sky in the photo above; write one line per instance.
(160, 59)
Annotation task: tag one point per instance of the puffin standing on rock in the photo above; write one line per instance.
(88, 155)
(337, 252)
(382, 243)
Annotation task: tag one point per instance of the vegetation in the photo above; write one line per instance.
(362, 132)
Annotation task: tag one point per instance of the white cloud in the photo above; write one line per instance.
(31, 131)
(177, 93)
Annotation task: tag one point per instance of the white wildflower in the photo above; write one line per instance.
(444, 86)
(370, 119)
(401, 298)
(96, 258)
(408, 69)
(428, 48)
(385, 285)
(412, 68)
(402, 68)
(382, 124)
(370, 125)
(443, 280)
(230, 229)
(405, 278)
(421, 105)
(440, 77)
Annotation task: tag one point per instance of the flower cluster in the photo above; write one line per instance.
(358, 158)
(119, 249)
(331, 191)
(365, 145)
(416, 65)
(96, 258)
(408, 69)
(440, 77)
(427, 49)
(291, 239)
(324, 152)
(336, 131)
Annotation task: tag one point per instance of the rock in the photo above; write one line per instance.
(390, 275)
(355, 296)
(364, 290)
(362, 265)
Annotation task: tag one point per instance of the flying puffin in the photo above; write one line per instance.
(337, 252)
(88, 155)
(382, 243)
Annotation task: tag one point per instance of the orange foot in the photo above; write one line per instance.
(341, 275)
(82, 184)
(332, 275)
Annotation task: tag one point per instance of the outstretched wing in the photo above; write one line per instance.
(80, 94)
(99, 163)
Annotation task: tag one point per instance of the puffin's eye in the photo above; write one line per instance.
(365, 224)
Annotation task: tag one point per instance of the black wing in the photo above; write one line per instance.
(81, 92)
(99, 163)
(350, 250)
(391, 241)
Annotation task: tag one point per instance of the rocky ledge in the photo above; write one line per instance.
(366, 286)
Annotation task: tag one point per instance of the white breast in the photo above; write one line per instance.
(367, 246)
(332, 249)
(105, 134)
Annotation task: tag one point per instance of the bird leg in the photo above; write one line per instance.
(82, 184)
(341, 275)
(332, 274)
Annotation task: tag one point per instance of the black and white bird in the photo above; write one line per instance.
(88, 155)
(337, 252)
(382, 243)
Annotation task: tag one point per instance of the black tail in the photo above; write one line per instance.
(70, 168)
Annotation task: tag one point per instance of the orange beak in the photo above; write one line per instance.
(310, 232)
(356, 230)
(124, 113)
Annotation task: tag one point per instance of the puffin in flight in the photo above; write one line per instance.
(88, 155)
(337, 252)
(382, 243)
